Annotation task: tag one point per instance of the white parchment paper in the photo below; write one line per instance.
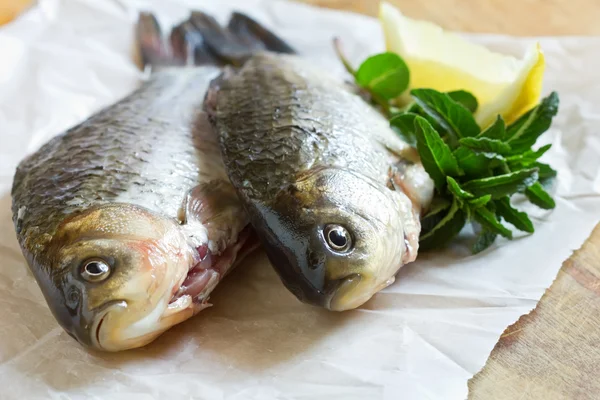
(421, 338)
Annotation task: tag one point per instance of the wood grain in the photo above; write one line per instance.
(513, 17)
(552, 352)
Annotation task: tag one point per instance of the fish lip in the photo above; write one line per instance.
(104, 310)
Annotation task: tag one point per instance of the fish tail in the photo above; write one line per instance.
(201, 40)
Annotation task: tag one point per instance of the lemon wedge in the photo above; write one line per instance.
(444, 61)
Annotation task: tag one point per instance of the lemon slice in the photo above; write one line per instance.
(444, 61)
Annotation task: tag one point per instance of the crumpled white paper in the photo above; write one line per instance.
(421, 338)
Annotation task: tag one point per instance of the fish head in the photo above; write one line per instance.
(111, 273)
(336, 237)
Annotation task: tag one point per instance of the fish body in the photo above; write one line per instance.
(128, 220)
(334, 194)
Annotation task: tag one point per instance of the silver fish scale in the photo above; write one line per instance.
(277, 118)
(141, 150)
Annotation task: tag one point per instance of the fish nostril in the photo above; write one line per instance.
(315, 261)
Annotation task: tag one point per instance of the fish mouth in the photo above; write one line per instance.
(353, 291)
(205, 274)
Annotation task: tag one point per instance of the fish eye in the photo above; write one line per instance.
(95, 270)
(337, 238)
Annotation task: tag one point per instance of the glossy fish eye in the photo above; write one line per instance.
(95, 270)
(337, 238)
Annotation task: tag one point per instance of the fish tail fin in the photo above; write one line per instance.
(201, 40)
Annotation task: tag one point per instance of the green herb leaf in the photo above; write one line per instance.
(496, 131)
(502, 185)
(456, 190)
(488, 220)
(446, 229)
(484, 240)
(538, 196)
(384, 74)
(479, 201)
(404, 125)
(436, 156)
(489, 147)
(517, 218)
(465, 99)
(524, 132)
(526, 159)
(544, 170)
(474, 165)
(455, 119)
(435, 214)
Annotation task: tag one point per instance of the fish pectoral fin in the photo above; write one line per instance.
(214, 207)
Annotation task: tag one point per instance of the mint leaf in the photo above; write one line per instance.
(488, 220)
(484, 240)
(524, 132)
(496, 131)
(479, 201)
(435, 214)
(502, 185)
(436, 156)
(544, 170)
(517, 218)
(384, 74)
(404, 125)
(538, 196)
(527, 158)
(465, 99)
(455, 119)
(446, 229)
(474, 165)
(489, 147)
(456, 190)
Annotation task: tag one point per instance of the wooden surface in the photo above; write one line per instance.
(513, 17)
(552, 353)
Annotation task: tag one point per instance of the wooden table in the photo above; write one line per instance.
(553, 352)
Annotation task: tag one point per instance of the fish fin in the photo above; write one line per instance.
(201, 40)
(151, 45)
(213, 207)
(188, 45)
(250, 31)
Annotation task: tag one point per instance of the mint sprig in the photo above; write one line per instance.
(476, 170)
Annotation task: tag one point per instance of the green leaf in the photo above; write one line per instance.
(465, 99)
(517, 218)
(474, 165)
(496, 131)
(527, 158)
(487, 146)
(435, 214)
(456, 120)
(384, 74)
(538, 196)
(524, 132)
(446, 229)
(436, 156)
(404, 125)
(544, 170)
(488, 220)
(456, 190)
(479, 201)
(484, 240)
(502, 185)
